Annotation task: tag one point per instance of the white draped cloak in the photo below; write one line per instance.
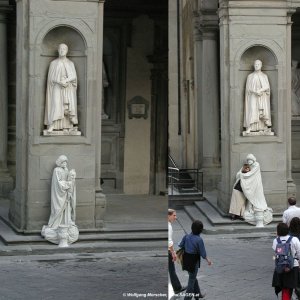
(252, 187)
(63, 199)
(253, 102)
(57, 95)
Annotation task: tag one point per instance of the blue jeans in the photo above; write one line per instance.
(193, 289)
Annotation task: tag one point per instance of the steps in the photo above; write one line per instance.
(216, 222)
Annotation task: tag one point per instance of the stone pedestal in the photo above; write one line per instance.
(41, 27)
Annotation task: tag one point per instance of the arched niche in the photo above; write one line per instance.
(76, 53)
(269, 67)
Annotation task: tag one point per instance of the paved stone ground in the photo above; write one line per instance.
(105, 276)
(242, 267)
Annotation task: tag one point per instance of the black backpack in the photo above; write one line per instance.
(284, 260)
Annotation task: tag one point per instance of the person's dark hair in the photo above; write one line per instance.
(171, 211)
(292, 201)
(282, 229)
(295, 227)
(197, 227)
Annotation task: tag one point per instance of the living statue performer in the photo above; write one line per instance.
(249, 201)
(61, 228)
(257, 114)
(61, 98)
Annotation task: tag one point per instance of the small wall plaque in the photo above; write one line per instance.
(138, 107)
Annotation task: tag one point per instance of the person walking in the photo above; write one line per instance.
(294, 230)
(194, 249)
(177, 287)
(291, 212)
(287, 281)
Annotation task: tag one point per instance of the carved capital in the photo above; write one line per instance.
(206, 24)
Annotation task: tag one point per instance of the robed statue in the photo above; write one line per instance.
(61, 96)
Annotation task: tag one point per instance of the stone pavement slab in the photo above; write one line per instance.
(242, 266)
(98, 276)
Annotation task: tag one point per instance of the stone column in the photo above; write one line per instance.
(291, 187)
(6, 181)
(207, 94)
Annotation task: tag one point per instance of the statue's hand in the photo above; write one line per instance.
(63, 84)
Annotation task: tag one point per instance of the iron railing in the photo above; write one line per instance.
(184, 181)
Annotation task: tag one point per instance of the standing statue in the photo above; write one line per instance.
(105, 84)
(248, 200)
(295, 92)
(257, 113)
(61, 228)
(61, 97)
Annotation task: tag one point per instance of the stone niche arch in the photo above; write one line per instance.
(77, 50)
(269, 67)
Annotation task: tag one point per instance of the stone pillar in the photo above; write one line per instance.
(41, 27)
(243, 39)
(291, 186)
(207, 94)
(6, 181)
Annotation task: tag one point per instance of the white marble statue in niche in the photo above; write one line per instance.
(295, 89)
(248, 201)
(61, 228)
(61, 96)
(257, 112)
(105, 84)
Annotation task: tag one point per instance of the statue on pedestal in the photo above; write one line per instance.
(257, 113)
(248, 200)
(295, 91)
(61, 228)
(105, 84)
(61, 98)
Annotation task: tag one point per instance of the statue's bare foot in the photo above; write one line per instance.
(248, 130)
(50, 128)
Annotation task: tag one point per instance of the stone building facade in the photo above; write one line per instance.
(214, 49)
(127, 149)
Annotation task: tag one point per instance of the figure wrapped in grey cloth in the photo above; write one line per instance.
(63, 204)
(249, 200)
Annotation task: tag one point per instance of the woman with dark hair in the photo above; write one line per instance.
(287, 281)
(194, 249)
(295, 227)
(295, 231)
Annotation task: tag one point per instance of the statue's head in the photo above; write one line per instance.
(61, 160)
(62, 49)
(72, 174)
(294, 64)
(257, 65)
(251, 159)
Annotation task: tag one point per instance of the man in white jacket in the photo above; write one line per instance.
(177, 287)
(291, 212)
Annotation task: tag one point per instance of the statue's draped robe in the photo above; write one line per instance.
(61, 102)
(252, 199)
(295, 92)
(254, 104)
(63, 199)
(63, 206)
